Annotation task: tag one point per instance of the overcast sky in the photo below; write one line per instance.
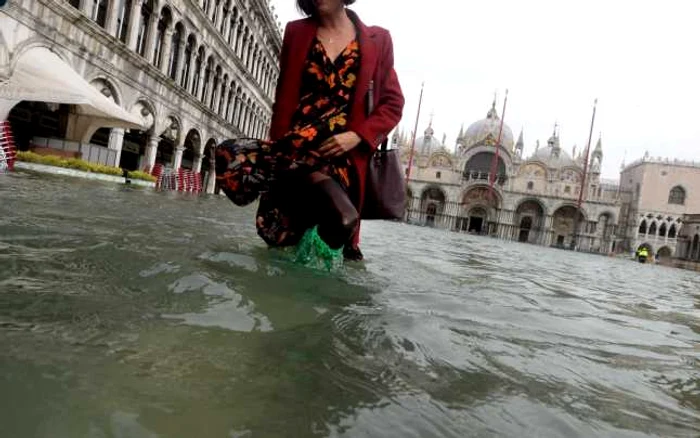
(641, 59)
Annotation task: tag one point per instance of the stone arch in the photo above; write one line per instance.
(101, 136)
(107, 87)
(433, 203)
(172, 128)
(664, 253)
(478, 166)
(663, 229)
(652, 229)
(144, 108)
(643, 227)
(440, 159)
(672, 231)
(529, 219)
(38, 42)
(478, 207)
(192, 149)
(566, 220)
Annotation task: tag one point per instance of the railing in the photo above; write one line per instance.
(478, 176)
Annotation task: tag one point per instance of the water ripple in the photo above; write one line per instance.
(126, 312)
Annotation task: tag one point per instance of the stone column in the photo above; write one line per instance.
(211, 176)
(200, 86)
(165, 54)
(207, 97)
(85, 6)
(197, 165)
(116, 141)
(221, 105)
(177, 158)
(219, 15)
(227, 23)
(151, 38)
(216, 92)
(134, 24)
(180, 61)
(112, 15)
(190, 78)
(151, 151)
(236, 111)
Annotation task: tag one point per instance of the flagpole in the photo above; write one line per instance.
(494, 164)
(585, 174)
(415, 131)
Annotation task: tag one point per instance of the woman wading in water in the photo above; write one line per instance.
(311, 173)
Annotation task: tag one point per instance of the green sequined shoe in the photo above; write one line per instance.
(312, 251)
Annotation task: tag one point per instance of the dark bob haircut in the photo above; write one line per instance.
(309, 8)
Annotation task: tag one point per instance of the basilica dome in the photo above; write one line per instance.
(428, 144)
(553, 155)
(486, 132)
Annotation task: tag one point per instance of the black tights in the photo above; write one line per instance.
(329, 207)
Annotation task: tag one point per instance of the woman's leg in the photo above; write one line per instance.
(336, 216)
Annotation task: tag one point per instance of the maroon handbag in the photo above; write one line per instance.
(385, 188)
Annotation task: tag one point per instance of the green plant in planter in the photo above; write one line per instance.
(82, 165)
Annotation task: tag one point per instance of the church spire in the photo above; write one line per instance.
(520, 144)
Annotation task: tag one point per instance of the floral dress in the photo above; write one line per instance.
(249, 168)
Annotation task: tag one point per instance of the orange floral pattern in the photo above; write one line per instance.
(250, 168)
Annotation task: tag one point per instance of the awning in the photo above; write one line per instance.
(40, 75)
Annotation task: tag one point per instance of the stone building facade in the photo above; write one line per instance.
(194, 71)
(660, 195)
(534, 199)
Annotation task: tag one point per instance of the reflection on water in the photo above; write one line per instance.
(130, 313)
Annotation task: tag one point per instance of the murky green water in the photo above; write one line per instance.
(131, 313)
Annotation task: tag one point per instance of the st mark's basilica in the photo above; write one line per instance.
(534, 198)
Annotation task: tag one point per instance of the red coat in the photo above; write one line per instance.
(376, 64)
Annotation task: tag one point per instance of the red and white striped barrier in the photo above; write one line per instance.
(181, 180)
(8, 151)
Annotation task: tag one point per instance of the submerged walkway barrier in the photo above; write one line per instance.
(8, 151)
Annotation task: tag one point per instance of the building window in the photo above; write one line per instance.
(75, 3)
(662, 230)
(438, 175)
(677, 196)
(567, 189)
(672, 232)
(530, 185)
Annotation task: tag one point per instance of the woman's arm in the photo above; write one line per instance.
(389, 108)
(275, 131)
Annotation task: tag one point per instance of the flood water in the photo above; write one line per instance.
(129, 313)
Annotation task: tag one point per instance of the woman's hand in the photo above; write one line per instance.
(339, 144)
